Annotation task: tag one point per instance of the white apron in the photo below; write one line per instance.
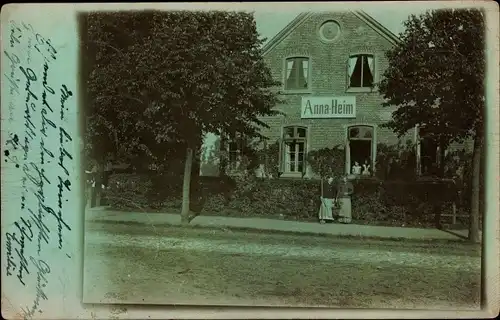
(326, 209)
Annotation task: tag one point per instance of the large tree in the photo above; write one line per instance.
(163, 78)
(435, 77)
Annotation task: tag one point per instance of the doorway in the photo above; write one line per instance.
(428, 156)
(360, 147)
(361, 151)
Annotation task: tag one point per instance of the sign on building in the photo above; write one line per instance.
(328, 107)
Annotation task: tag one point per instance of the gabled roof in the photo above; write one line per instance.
(383, 31)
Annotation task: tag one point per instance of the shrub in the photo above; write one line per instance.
(459, 164)
(130, 191)
(373, 201)
(156, 190)
(327, 162)
(269, 157)
(216, 203)
(410, 203)
(396, 162)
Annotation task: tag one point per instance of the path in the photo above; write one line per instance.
(334, 229)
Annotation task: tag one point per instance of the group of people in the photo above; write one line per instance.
(361, 170)
(336, 197)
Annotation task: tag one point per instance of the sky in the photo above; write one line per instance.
(391, 15)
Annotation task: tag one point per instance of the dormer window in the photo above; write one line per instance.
(297, 73)
(360, 70)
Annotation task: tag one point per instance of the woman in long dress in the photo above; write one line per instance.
(328, 194)
(345, 190)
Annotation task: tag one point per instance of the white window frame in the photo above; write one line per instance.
(284, 165)
(232, 166)
(285, 74)
(363, 88)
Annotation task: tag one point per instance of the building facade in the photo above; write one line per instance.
(329, 64)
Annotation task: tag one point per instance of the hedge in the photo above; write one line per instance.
(374, 201)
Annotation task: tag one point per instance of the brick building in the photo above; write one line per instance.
(329, 64)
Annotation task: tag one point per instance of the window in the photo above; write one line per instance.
(360, 70)
(429, 155)
(359, 151)
(297, 74)
(293, 151)
(329, 31)
(234, 155)
(235, 152)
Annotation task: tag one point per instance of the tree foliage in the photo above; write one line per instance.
(436, 78)
(396, 162)
(156, 79)
(436, 74)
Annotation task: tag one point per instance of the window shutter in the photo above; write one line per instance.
(304, 166)
(304, 159)
(363, 59)
(347, 157)
(348, 78)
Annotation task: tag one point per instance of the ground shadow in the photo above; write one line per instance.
(455, 233)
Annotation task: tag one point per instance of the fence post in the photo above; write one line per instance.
(98, 196)
(454, 213)
(88, 196)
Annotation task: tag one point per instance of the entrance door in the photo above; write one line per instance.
(361, 151)
(428, 156)
(428, 153)
(360, 147)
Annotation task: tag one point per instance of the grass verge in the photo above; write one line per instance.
(236, 214)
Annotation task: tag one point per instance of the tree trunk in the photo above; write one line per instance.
(186, 186)
(485, 299)
(476, 186)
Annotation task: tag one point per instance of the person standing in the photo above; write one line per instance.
(356, 169)
(328, 199)
(344, 192)
(366, 168)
